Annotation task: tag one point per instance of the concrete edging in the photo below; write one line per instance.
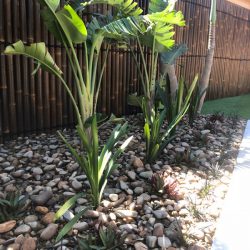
(233, 228)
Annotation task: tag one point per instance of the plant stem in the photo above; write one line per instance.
(86, 65)
(100, 77)
(145, 68)
(140, 72)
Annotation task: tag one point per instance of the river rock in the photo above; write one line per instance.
(22, 229)
(140, 246)
(49, 232)
(7, 226)
(151, 241)
(29, 243)
(164, 242)
(42, 198)
(126, 213)
(48, 218)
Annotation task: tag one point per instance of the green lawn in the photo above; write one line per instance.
(233, 105)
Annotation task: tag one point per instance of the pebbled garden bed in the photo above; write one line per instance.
(201, 159)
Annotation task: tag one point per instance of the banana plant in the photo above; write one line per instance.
(159, 39)
(69, 29)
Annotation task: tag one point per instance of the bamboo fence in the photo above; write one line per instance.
(34, 103)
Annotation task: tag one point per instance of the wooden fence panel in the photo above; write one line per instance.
(40, 103)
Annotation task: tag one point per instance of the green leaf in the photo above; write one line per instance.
(95, 146)
(125, 28)
(52, 4)
(65, 24)
(72, 25)
(36, 51)
(157, 6)
(67, 205)
(154, 153)
(70, 224)
(168, 17)
(170, 56)
(135, 100)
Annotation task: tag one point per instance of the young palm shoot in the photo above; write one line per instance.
(98, 167)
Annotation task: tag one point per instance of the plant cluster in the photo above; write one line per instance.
(107, 239)
(12, 206)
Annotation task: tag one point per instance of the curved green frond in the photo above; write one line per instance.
(126, 28)
(36, 51)
(64, 24)
(168, 17)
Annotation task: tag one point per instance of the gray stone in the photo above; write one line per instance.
(37, 171)
(140, 246)
(138, 190)
(123, 185)
(76, 185)
(28, 154)
(68, 215)
(42, 198)
(22, 229)
(113, 197)
(18, 173)
(30, 218)
(164, 242)
(128, 227)
(126, 213)
(151, 241)
(160, 214)
(146, 174)
(132, 175)
(81, 226)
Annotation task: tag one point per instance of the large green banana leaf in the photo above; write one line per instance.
(64, 24)
(126, 28)
(36, 51)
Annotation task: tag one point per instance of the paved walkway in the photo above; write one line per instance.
(233, 230)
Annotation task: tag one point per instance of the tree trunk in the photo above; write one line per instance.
(204, 82)
(169, 69)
